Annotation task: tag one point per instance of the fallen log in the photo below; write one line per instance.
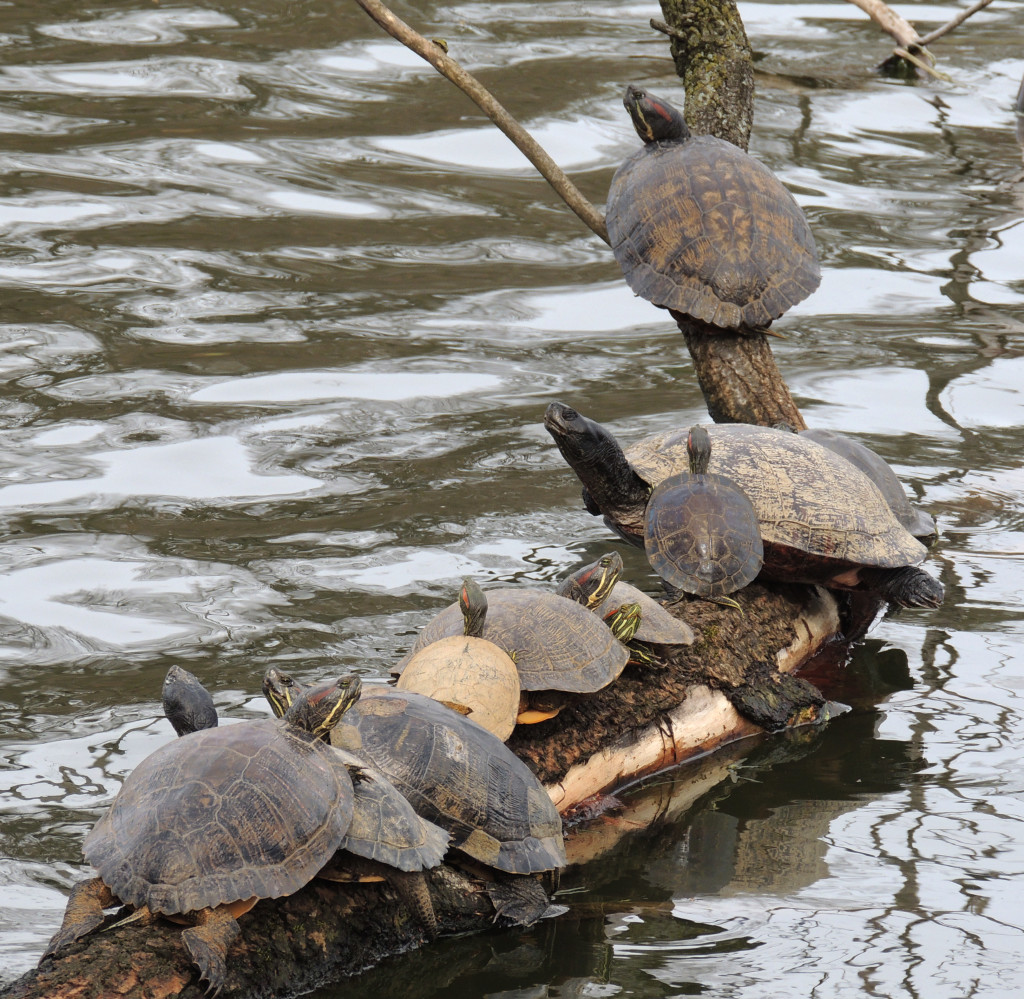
(652, 717)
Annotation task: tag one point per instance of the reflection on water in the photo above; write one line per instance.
(282, 314)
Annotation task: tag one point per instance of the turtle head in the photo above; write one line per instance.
(597, 458)
(473, 603)
(280, 690)
(592, 584)
(698, 447)
(319, 708)
(625, 621)
(187, 703)
(655, 120)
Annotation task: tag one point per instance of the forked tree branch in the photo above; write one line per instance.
(433, 53)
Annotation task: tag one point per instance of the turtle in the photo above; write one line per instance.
(385, 830)
(701, 532)
(821, 519)
(187, 703)
(877, 469)
(657, 625)
(468, 673)
(459, 776)
(555, 644)
(214, 821)
(701, 228)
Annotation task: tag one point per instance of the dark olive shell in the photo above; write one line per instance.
(457, 774)
(818, 513)
(254, 809)
(701, 227)
(385, 827)
(702, 534)
(877, 469)
(556, 644)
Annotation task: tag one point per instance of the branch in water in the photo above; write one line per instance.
(954, 21)
(434, 53)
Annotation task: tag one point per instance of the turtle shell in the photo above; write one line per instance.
(385, 827)
(556, 643)
(702, 535)
(471, 672)
(877, 469)
(818, 513)
(457, 774)
(657, 625)
(700, 227)
(254, 809)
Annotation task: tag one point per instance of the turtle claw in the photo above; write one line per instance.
(84, 913)
(207, 944)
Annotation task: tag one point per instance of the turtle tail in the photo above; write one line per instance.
(906, 587)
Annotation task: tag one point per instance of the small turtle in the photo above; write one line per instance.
(209, 824)
(468, 673)
(658, 627)
(187, 703)
(821, 519)
(456, 774)
(877, 469)
(703, 229)
(701, 533)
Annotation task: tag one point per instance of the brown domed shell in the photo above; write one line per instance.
(224, 814)
(700, 227)
(807, 498)
(471, 672)
(556, 643)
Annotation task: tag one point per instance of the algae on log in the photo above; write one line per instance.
(737, 372)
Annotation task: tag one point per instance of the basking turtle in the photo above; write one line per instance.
(822, 520)
(701, 533)
(877, 469)
(468, 673)
(187, 703)
(657, 625)
(555, 644)
(209, 824)
(701, 228)
(385, 830)
(456, 774)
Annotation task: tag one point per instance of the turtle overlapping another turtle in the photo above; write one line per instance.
(821, 519)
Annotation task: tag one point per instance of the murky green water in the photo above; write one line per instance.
(281, 314)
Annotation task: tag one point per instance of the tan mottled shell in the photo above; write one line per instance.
(808, 499)
(468, 671)
(701, 227)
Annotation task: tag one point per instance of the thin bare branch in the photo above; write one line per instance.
(953, 22)
(666, 29)
(890, 22)
(434, 53)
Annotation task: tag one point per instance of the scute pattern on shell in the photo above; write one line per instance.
(807, 498)
(458, 775)
(556, 644)
(702, 228)
(224, 814)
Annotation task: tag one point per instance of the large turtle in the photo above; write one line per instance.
(210, 823)
(657, 625)
(877, 469)
(822, 520)
(555, 644)
(468, 673)
(456, 774)
(385, 830)
(703, 229)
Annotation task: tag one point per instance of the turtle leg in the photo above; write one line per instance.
(207, 944)
(519, 901)
(83, 914)
(907, 587)
(413, 891)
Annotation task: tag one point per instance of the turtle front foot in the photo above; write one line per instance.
(207, 944)
(83, 914)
